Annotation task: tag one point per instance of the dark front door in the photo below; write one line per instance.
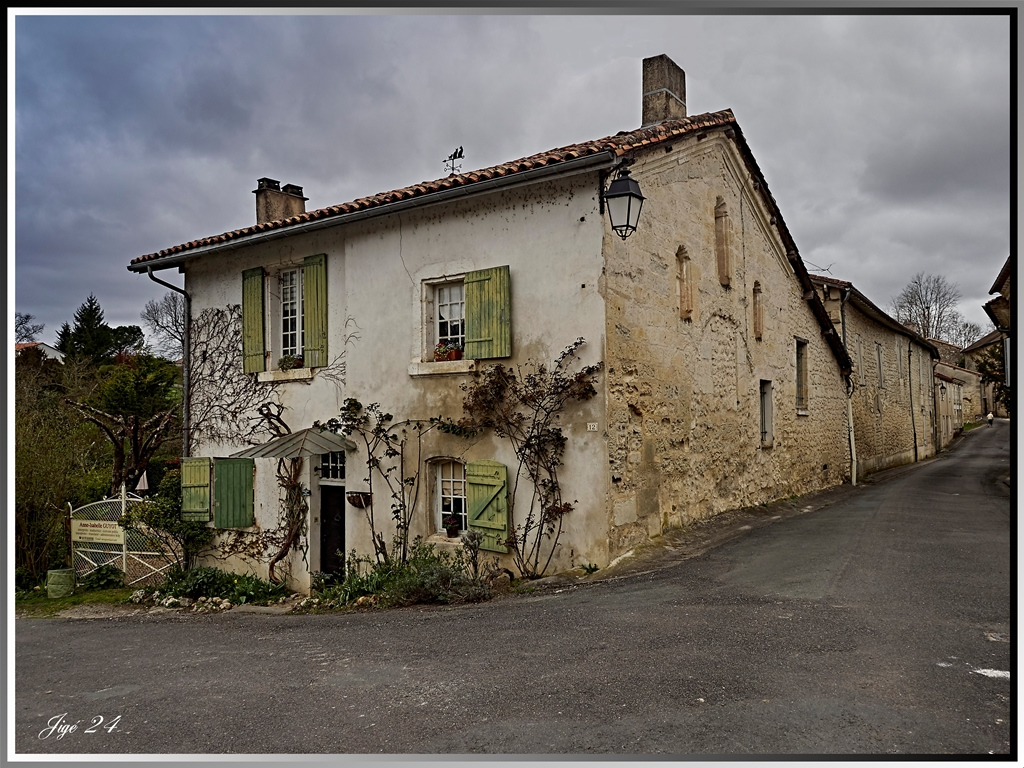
(332, 528)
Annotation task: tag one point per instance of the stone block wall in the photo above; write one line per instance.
(685, 363)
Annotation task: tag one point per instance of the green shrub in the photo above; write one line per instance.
(427, 577)
(107, 576)
(213, 582)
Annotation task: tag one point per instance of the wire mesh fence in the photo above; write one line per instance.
(97, 540)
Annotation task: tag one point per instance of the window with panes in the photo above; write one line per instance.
(291, 313)
(450, 314)
(332, 465)
(451, 493)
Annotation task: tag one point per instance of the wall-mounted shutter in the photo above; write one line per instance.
(314, 299)
(253, 358)
(487, 503)
(488, 314)
(195, 489)
(232, 493)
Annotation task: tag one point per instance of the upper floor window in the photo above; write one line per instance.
(880, 361)
(295, 313)
(450, 314)
(723, 246)
(291, 313)
(684, 284)
(471, 313)
(758, 309)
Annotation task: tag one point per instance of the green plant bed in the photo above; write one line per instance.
(968, 426)
(36, 604)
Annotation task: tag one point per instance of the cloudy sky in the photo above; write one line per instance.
(885, 139)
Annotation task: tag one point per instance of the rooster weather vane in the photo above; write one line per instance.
(449, 162)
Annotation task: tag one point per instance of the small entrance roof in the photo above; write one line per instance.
(305, 442)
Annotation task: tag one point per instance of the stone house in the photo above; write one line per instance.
(892, 400)
(1000, 311)
(972, 356)
(971, 389)
(724, 383)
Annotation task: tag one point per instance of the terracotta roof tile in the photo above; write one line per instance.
(619, 145)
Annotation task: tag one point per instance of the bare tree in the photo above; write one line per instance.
(928, 304)
(964, 333)
(24, 329)
(164, 319)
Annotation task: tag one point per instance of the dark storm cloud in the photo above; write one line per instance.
(884, 139)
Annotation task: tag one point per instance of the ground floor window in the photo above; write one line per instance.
(766, 413)
(451, 493)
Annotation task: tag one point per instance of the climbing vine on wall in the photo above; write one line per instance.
(523, 405)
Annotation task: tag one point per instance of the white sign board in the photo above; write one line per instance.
(97, 531)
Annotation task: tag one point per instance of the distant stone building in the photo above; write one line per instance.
(892, 399)
(972, 356)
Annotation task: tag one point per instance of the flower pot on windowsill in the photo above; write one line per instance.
(454, 354)
(453, 533)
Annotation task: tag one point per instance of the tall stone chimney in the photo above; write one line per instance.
(274, 203)
(664, 91)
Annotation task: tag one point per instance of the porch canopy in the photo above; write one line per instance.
(304, 443)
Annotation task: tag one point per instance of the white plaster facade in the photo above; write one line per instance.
(677, 431)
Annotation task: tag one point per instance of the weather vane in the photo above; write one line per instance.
(449, 162)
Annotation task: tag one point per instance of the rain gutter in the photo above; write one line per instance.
(186, 368)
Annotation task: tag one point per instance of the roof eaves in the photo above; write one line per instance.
(364, 208)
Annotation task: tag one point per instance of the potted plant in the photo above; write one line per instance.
(447, 351)
(452, 525)
(289, 362)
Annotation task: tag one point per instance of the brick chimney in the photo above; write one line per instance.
(664, 91)
(274, 203)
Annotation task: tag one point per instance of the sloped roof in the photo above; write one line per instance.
(868, 308)
(304, 443)
(601, 153)
(984, 341)
(553, 160)
(1002, 277)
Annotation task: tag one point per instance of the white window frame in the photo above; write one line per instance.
(297, 347)
(450, 479)
(431, 290)
(332, 468)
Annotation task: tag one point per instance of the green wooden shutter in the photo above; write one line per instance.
(232, 493)
(253, 359)
(488, 314)
(195, 489)
(314, 302)
(487, 503)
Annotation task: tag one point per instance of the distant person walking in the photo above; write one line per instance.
(990, 417)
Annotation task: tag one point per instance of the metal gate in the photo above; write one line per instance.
(97, 539)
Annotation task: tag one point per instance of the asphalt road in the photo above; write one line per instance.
(877, 625)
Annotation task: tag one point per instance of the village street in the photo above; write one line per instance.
(878, 624)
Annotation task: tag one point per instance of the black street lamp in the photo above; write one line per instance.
(624, 202)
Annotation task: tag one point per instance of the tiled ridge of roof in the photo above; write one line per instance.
(619, 144)
(830, 280)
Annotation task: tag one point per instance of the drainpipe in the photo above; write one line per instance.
(186, 367)
(849, 393)
(910, 383)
